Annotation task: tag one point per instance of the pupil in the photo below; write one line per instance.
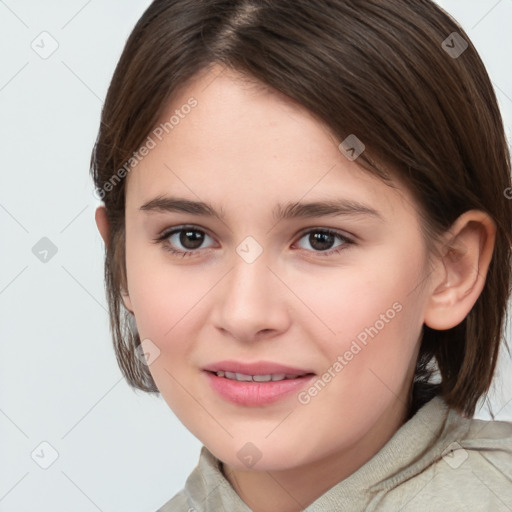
(321, 241)
(191, 239)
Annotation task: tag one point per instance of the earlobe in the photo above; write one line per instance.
(464, 260)
(127, 301)
(102, 223)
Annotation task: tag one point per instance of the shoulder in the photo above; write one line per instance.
(471, 469)
(178, 503)
(206, 490)
(482, 447)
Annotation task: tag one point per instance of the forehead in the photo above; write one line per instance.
(244, 144)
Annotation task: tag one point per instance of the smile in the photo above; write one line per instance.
(256, 390)
(256, 378)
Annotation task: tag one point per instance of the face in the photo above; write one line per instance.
(332, 292)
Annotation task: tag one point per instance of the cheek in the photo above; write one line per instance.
(371, 318)
(164, 295)
(169, 308)
(349, 299)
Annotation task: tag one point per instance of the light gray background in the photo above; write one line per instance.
(60, 384)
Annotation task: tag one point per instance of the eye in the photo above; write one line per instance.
(183, 241)
(322, 240)
(187, 240)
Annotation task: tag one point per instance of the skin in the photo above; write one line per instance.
(244, 150)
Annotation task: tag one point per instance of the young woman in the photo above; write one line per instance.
(308, 242)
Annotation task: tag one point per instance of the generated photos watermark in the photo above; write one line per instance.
(156, 136)
(356, 347)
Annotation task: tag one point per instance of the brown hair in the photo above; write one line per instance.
(389, 71)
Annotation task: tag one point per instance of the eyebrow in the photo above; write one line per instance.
(281, 212)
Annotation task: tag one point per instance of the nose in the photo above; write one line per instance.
(252, 302)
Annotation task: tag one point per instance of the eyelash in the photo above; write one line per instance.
(163, 240)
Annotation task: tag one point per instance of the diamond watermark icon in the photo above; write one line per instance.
(44, 250)
(45, 45)
(147, 352)
(454, 45)
(249, 250)
(44, 455)
(351, 147)
(249, 454)
(454, 455)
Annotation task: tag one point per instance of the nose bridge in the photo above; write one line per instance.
(250, 300)
(250, 279)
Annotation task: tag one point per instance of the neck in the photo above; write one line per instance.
(293, 489)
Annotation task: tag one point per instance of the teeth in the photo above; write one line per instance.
(262, 378)
(241, 377)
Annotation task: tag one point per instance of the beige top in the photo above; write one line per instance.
(414, 471)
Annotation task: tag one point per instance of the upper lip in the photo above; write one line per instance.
(257, 368)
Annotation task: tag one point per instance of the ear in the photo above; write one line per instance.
(102, 223)
(463, 264)
(104, 229)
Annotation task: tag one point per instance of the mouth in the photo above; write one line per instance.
(260, 369)
(274, 377)
(256, 384)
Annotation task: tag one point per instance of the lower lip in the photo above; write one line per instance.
(256, 393)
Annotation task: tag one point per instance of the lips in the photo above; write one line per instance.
(247, 391)
(257, 368)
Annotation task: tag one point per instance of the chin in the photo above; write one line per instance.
(258, 456)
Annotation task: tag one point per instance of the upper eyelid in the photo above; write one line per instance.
(335, 231)
(176, 229)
